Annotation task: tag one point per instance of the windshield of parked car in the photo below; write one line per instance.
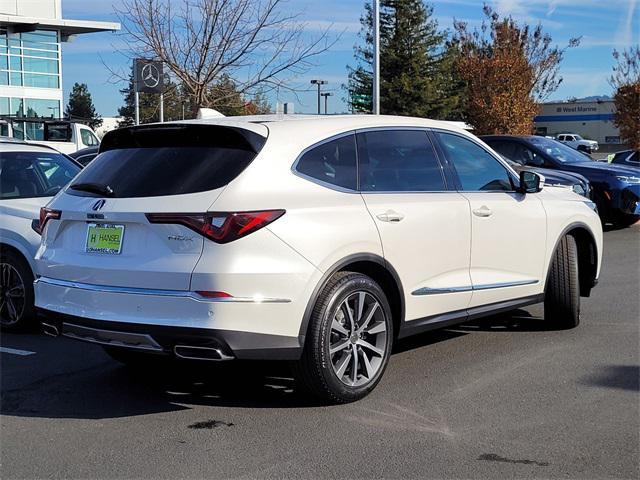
(559, 151)
(577, 137)
(34, 174)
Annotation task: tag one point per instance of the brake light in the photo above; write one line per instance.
(219, 226)
(46, 214)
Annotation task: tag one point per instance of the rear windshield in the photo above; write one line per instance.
(34, 174)
(167, 160)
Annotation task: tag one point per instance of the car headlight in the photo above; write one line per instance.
(579, 189)
(628, 178)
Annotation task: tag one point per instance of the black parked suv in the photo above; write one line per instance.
(616, 188)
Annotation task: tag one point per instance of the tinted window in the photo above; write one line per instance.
(626, 157)
(34, 174)
(169, 160)
(476, 168)
(398, 161)
(504, 148)
(333, 162)
(526, 156)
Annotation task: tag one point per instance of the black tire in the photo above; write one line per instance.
(323, 373)
(17, 311)
(562, 294)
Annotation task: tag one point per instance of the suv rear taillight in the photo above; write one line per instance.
(46, 214)
(218, 226)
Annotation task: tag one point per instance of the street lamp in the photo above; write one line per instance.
(319, 83)
(326, 96)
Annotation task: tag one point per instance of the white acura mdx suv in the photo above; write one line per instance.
(320, 240)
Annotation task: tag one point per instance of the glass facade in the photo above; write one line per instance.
(30, 59)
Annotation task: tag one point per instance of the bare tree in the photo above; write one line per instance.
(257, 43)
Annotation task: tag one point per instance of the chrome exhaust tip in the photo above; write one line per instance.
(189, 352)
(50, 330)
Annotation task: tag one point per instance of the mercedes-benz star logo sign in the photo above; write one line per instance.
(150, 75)
(98, 205)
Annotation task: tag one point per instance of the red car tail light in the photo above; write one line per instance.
(47, 214)
(219, 226)
(208, 294)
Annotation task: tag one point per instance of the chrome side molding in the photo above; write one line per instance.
(470, 288)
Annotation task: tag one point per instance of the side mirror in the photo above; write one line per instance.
(530, 182)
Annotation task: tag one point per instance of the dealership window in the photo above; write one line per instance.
(30, 59)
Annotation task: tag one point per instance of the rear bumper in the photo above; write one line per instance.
(163, 340)
(158, 320)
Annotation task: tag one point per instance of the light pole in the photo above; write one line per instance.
(326, 96)
(319, 83)
(376, 57)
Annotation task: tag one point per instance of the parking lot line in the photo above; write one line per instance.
(14, 351)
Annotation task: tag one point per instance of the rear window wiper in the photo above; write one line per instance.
(104, 190)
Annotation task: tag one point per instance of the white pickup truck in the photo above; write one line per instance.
(63, 135)
(576, 141)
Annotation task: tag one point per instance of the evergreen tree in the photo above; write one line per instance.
(81, 107)
(415, 64)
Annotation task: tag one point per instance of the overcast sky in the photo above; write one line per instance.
(602, 24)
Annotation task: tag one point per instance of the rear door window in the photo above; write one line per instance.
(398, 161)
(332, 162)
(171, 160)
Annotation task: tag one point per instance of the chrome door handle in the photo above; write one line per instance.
(390, 216)
(483, 211)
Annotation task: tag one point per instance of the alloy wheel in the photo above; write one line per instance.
(12, 295)
(358, 342)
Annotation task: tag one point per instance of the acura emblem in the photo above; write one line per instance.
(98, 205)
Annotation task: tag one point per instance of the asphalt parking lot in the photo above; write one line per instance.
(503, 397)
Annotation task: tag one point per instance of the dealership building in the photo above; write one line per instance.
(31, 34)
(590, 119)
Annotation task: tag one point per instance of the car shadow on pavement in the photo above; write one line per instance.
(514, 321)
(624, 377)
(106, 389)
(111, 390)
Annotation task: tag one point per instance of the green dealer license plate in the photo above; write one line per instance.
(104, 238)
